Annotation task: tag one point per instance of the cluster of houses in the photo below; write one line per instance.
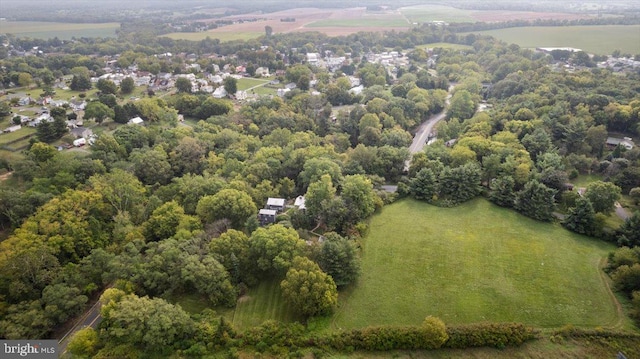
(618, 64)
(275, 206)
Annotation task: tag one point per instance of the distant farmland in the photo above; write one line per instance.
(600, 40)
(223, 36)
(63, 31)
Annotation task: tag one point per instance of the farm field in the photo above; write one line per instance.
(64, 31)
(360, 22)
(223, 36)
(336, 22)
(472, 263)
(602, 39)
(426, 13)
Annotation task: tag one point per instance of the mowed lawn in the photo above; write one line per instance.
(602, 39)
(261, 303)
(472, 263)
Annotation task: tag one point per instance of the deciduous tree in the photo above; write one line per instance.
(273, 248)
(308, 289)
(232, 204)
(602, 195)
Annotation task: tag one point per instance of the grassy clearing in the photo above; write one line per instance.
(476, 262)
(64, 31)
(584, 180)
(222, 36)
(191, 303)
(261, 303)
(5, 138)
(602, 39)
(246, 83)
(264, 91)
(426, 13)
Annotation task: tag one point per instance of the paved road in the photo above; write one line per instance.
(425, 128)
(420, 138)
(91, 318)
(622, 212)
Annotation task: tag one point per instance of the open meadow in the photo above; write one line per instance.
(601, 39)
(472, 263)
(63, 31)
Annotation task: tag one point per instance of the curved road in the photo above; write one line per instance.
(425, 128)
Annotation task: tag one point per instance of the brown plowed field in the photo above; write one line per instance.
(306, 16)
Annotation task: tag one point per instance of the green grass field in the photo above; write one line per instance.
(593, 39)
(222, 36)
(64, 31)
(246, 83)
(426, 13)
(476, 262)
(261, 303)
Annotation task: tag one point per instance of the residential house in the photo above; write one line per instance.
(267, 216)
(262, 71)
(220, 92)
(78, 105)
(38, 120)
(135, 121)
(300, 203)
(81, 132)
(625, 142)
(25, 101)
(313, 58)
(275, 204)
(282, 92)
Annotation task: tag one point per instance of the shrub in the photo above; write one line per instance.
(497, 335)
(431, 335)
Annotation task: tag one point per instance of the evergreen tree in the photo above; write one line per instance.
(424, 185)
(581, 218)
(460, 184)
(536, 200)
(629, 234)
(503, 191)
(339, 259)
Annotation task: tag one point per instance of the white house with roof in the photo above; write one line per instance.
(275, 204)
(220, 92)
(299, 202)
(135, 121)
(262, 71)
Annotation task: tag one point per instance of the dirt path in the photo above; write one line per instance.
(5, 176)
(619, 323)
